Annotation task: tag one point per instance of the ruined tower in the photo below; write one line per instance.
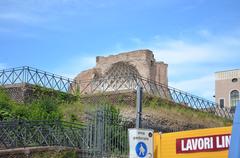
(139, 63)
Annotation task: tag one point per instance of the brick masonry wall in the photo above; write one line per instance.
(20, 92)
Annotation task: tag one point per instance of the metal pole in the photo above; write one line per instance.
(139, 107)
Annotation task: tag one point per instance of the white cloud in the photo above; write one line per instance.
(44, 10)
(203, 86)
(73, 66)
(37, 13)
(178, 52)
(192, 64)
(44, 14)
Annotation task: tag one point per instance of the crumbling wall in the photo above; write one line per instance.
(19, 92)
(141, 61)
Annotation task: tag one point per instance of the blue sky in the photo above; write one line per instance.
(195, 37)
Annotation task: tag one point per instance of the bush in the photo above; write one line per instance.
(40, 93)
(42, 109)
(45, 109)
(114, 129)
(5, 105)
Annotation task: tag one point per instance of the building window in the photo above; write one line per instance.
(234, 97)
(234, 80)
(222, 103)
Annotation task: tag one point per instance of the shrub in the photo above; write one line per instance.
(40, 93)
(5, 105)
(45, 109)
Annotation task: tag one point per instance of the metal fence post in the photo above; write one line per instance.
(139, 107)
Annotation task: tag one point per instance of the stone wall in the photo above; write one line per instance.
(21, 92)
(27, 93)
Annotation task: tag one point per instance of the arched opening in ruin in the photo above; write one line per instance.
(120, 76)
(121, 69)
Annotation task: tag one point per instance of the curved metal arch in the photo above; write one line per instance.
(121, 69)
(120, 76)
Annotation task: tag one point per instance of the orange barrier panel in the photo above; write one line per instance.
(205, 143)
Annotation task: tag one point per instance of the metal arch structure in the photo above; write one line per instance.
(115, 81)
(121, 69)
(118, 78)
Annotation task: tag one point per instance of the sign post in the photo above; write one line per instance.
(139, 107)
(140, 143)
(140, 140)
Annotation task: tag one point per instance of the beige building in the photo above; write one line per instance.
(227, 87)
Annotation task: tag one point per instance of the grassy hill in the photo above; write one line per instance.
(158, 114)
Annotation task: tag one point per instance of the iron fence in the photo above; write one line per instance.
(127, 84)
(34, 76)
(22, 133)
(112, 85)
(103, 134)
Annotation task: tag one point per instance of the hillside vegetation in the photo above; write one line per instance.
(45, 108)
(158, 114)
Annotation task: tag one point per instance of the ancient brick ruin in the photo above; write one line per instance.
(139, 63)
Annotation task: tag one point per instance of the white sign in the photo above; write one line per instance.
(140, 143)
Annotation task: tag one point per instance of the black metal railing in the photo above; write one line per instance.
(111, 84)
(22, 133)
(103, 134)
(31, 75)
(117, 84)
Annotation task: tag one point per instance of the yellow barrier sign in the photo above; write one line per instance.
(205, 143)
(201, 144)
